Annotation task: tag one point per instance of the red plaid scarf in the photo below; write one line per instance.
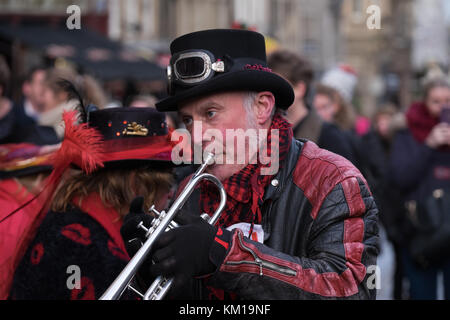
(245, 189)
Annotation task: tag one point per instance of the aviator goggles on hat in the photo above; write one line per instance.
(193, 67)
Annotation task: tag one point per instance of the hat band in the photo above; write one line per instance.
(148, 148)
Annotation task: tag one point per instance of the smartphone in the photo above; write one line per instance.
(445, 114)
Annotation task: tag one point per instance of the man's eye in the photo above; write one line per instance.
(187, 121)
(211, 114)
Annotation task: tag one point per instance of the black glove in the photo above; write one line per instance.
(133, 236)
(187, 251)
(194, 249)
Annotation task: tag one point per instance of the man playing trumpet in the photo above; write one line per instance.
(307, 230)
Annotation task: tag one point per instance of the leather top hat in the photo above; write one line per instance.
(218, 60)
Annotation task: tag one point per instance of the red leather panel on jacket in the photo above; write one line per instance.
(329, 284)
(353, 196)
(318, 171)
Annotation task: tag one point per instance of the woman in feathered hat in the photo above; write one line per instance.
(103, 164)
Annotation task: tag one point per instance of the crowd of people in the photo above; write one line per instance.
(67, 201)
(404, 156)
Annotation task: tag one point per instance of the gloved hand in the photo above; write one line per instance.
(193, 249)
(189, 250)
(184, 250)
(133, 236)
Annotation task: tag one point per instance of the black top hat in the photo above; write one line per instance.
(219, 60)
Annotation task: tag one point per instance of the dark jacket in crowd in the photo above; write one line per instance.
(17, 127)
(387, 196)
(326, 135)
(21, 116)
(415, 167)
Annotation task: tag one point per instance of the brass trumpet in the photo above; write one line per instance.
(161, 223)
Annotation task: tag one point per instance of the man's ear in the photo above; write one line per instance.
(264, 105)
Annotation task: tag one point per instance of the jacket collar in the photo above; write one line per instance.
(278, 183)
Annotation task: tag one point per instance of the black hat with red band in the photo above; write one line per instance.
(114, 137)
(133, 136)
(218, 60)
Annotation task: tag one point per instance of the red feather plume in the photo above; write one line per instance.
(81, 145)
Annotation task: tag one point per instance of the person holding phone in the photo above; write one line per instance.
(420, 165)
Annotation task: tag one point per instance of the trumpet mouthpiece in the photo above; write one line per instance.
(209, 158)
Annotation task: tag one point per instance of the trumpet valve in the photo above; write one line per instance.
(141, 226)
(159, 217)
(156, 212)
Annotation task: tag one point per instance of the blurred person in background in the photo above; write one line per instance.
(149, 101)
(306, 123)
(420, 166)
(333, 102)
(18, 123)
(143, 101)
(28, 109)
(60, 94)
(377, 144)
(338, 85)
(57, 97)
(332, 107)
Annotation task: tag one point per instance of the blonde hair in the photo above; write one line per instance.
(93, 91)
(116, 187)
(89, 87)
(435, 83)
(53, 79)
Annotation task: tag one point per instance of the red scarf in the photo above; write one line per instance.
(420, 121)
(245, 189)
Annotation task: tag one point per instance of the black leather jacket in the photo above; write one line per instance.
(320, 227)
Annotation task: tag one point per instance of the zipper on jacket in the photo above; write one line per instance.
(262, 263)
